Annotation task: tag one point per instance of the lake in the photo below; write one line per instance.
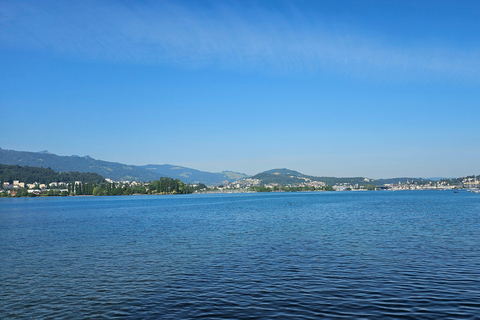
(371, 255)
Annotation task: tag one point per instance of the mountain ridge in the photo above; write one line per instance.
(119, 171)
(283, 176)
(113, 170)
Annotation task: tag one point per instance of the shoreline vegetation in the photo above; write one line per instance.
(169, 186)
(116, 192)
(163, 186)
(17, 181)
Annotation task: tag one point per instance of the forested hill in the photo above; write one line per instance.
(193, 176)
(114, 170)
(111, 170)
(9, 173)
(280, 176)
(286, 176)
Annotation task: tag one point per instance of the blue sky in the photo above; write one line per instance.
(337, 88)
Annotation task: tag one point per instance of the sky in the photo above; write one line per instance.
(329, 88)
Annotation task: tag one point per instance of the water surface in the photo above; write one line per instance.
(372, 255)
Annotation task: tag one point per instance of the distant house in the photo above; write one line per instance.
(17, 184)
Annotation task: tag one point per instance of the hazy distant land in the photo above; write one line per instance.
(38, 173)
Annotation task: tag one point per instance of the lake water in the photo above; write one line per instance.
(371, 255)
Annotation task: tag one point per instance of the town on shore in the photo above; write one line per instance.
(165, 185)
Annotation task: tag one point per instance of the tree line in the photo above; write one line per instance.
(161, 186)
(289, 189)
(9, 173)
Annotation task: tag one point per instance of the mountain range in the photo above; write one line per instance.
(114, 170)
(118, 171)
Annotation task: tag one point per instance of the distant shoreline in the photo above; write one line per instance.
(219, 192)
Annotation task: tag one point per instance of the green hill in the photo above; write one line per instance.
(114, 170)
(9, 173)
(193, 176)
(111, 170)
(287, 176)
(281, 177)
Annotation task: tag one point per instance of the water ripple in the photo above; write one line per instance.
(374, 255)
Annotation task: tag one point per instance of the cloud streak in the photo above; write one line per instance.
(233, 36)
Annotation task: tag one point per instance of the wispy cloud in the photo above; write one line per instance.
(233, 36)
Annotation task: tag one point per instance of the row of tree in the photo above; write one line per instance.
(110, 189)
(289, 189)
(9, 173)
(170, 186)
(161, 186)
